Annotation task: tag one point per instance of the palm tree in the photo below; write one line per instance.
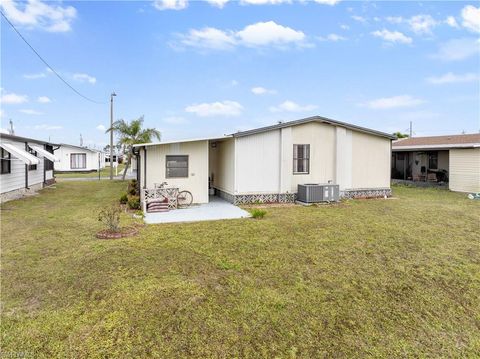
(131, 133)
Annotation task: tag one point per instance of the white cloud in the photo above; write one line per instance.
(344, 27)
(450, 77)
(327, 2)
(170, 4)
(175, 120)
(450, 21)
(359, 18)
(30, 112)
(34, 76)
(394, 19)
(290, 106)
(262, 91)
(255, 35)
(269, 33)
(263, 2)
(217, 3)
(224, 108)
(12, 98)
(5, 131)
(47, 127)
(84, 78)
(393, 102)
(471, 18)
(458, 49)
(332, 37)
(37, 14)
(209, 38)
(101, 128)
(392, 36)
(422, 24)
(43, 99)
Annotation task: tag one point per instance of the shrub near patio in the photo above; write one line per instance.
(365, 278)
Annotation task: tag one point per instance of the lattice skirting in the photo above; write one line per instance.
(366, 193)
(256, 198)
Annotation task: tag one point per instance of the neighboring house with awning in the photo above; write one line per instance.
(26, 165)
(78, 159)
(452, 159)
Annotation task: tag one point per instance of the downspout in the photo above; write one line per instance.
(145, 167)
(44, 166)
(26, 168)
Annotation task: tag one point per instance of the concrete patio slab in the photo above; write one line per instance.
(216, 209)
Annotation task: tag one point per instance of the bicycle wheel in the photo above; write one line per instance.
(184, 199)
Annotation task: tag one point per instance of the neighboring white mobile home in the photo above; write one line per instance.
(26, 166)
(453, 159)
(78, 159)
(267, 164)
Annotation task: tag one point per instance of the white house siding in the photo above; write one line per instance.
(370, 161)
(64, 152)
(257, 163)
(15, 180)
(321, 138)
(465, 170)
(197, 180)
(222, 165)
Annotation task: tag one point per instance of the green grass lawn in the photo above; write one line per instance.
(104, 172)
(365, 278)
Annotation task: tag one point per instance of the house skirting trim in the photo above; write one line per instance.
(256, 198)
(366, 193)
(20, 192)
(291, 197)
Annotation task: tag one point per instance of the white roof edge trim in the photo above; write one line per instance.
(185, 140)
(45, 153)
(420, 147)
(22, 155)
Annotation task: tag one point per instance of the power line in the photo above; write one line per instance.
(50, 67)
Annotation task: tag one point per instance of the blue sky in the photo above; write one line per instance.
(197, 69)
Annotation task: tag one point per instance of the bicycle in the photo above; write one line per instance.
(184, 198)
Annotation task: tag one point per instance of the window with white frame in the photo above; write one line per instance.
(33, 153)
(176, 166)
(78, 161)
(6, 161)
(301, 159)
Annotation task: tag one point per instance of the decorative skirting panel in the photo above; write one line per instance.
(21, 192)
(366, 193)
(256, 198)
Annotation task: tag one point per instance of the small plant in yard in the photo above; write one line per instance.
(110, 217)
(133, 202)
(124, 198)
(133, 188)
(258, 213)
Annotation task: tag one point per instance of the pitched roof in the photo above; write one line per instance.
(24, 139)
(79, 147)
(313, 119)
(450, 141)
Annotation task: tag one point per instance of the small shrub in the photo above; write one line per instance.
(258, 213)
(124, 198)
(133, 188)
(133, 202)
(110, 217)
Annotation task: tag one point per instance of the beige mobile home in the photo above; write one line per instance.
(267, 164)
(453, 159)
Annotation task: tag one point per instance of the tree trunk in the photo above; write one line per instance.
(129, 159)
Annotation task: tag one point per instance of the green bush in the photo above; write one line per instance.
(258, 213)
(110, 217)
(133, 188)
(124, 198)
(133, 202)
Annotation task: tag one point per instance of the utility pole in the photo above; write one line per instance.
(411, 129)
(12, 132)
(81, 140)
(111, 134)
